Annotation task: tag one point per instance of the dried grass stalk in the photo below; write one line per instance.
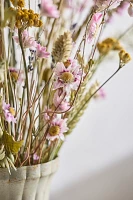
(79, 112)
(62, 48)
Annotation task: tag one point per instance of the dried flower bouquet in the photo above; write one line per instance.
(44, 72)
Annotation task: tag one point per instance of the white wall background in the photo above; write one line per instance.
(96, 161)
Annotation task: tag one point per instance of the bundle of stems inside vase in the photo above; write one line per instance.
(49, 51)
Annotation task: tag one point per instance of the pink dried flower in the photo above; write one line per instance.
(60, 101)
(35, 157)
(68, 3)
(102, 4)
(41, 51)
(93, 26)
(28, 41)
(48, 114)
(123, 6)
(49, 9)
(16, 74)
(130, 10)
(83, 5)
(9, 113)
(100, 94)
(57, 128)
(67, 77)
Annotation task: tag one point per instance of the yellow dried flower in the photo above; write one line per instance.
(54, 130)
(20, 3)
(31, 11)
(108, 44)
(19, 16)
(18, 24)
(30, 22)
(40, 23)
(25, 18)
(67, 77)
(36, 14)
(25, 11)
(31, 16)
(36, 23)
(124, 56)
(103, 48)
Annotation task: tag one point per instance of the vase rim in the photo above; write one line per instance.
(28, 172)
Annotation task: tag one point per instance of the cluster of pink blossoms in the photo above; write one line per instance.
(93, 26)
(29, 42)
(60, 100)
(97, 17)
(16, 74)
(66, 79)
(9, 113)
(49, 9)
(102, 4)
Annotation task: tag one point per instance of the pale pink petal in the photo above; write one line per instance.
(49, 9)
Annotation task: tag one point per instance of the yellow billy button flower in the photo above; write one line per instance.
(31, 11)
(30, 22)
(36, 23)
(19, 16)
(40, 23)
(18, 24)
(31, 16)
(104, 48)
(12, 111)
(67, 77)
(108, 44)
(54, 130)
(25, 17)
(124, 56)
(20, 3)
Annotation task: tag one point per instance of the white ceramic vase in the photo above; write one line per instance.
(28, 182)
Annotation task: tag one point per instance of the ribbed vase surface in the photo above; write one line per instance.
(28, 182)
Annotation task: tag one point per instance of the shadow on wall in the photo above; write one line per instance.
(113, 183)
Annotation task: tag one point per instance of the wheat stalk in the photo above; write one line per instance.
(62, 47)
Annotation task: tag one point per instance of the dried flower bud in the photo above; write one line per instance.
(103, 48)
(20, 3)
(130, 10)
(124, 56)
(62, 48)
(67, 63)
(108, 44)
(80, 59)
(18, 24)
